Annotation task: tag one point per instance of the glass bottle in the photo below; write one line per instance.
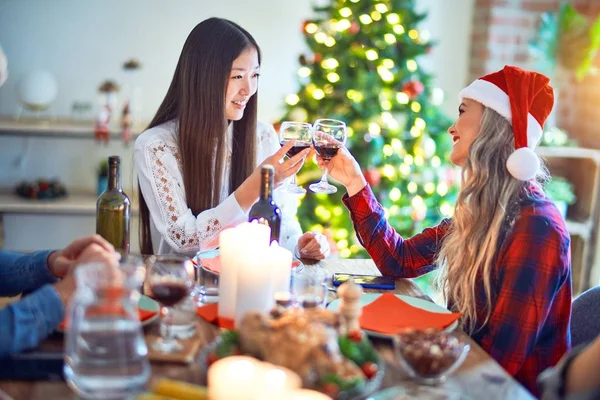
(265, 211)
(113, 209)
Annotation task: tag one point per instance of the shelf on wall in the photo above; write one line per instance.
(73, 204)
(57, 128)
(568, 152)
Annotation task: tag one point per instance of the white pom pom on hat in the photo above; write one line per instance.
(525, 99)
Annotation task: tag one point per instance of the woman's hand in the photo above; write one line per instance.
(287, 168)
(344, 169)
(248, 192)
(313, 245)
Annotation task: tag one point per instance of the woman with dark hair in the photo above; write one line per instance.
(197, 161)
(504, 257)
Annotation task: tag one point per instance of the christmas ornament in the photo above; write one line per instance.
(413, 89)
(372, 176)
(317, 58)
(354, 28)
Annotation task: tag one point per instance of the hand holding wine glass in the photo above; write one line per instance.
(344, 168)
(287, 168)
(300, 134)
(170, 283)
(328, 136)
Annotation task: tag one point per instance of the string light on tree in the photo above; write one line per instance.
(371, 55)
(382, 8)
(345, 12)
(292, 99)
(393, 18)
(411, 65)
(376, 15)
(365, 19)
(398, 29)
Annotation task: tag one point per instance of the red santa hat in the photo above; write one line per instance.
(525, 99)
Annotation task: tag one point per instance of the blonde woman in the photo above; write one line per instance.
(505, 255)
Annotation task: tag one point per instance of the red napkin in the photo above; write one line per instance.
(210, 313)
(390, 314)
(142, 314)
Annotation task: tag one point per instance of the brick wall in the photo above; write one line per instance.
(501, 32)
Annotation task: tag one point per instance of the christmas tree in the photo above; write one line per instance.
(363, 69)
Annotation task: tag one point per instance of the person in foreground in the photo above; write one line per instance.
(575, 377)
(197, 162)
(504, 257)
(47, 279)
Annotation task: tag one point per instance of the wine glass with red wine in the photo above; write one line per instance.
(328, 135)
(170, 282)
(299, 132)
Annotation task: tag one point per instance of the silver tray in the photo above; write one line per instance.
(355, 394)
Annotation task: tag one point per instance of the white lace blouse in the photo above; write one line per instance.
(173, 227)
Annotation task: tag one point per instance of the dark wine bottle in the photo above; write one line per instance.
(113, 209)
(265, 211)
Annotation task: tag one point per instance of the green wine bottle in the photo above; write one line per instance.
(113, 209)
(265, 211)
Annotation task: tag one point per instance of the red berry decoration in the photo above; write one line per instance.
(330, 389)
(370, 369)
(413, 89)
(356, 335)
(354, 28)
(317, 58)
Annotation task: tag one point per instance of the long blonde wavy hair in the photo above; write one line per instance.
(488, 199)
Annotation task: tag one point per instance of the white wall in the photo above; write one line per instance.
(84, 42)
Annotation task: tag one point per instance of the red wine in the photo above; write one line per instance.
(327, 151)
(265, 211)
(297, 148)
(169, 293)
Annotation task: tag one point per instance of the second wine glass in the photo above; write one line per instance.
(328, 135)
(300, 132)
(170, 282)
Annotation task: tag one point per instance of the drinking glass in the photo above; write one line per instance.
(328, 135)
(170, 283)
(301, 133)
(309, 287)
(207, 277)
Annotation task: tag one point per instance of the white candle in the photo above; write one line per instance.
(237, 246)
(235, 378)
(279, 261)
(278, 382)
(306, 394)
(254, 289)
(245, 378)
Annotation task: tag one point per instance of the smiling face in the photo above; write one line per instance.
(242, 83)
(465, 130)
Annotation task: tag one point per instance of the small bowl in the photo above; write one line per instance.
(430, 355)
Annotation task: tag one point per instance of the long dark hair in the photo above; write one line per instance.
(196, 101)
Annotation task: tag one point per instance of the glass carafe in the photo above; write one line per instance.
(105, 352)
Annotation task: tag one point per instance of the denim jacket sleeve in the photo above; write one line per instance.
(24, 323)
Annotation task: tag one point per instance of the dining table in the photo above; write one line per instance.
(478, 377)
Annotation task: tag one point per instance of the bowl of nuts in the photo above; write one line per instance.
(429, 355)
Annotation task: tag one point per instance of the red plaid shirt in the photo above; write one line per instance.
(528, 330)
